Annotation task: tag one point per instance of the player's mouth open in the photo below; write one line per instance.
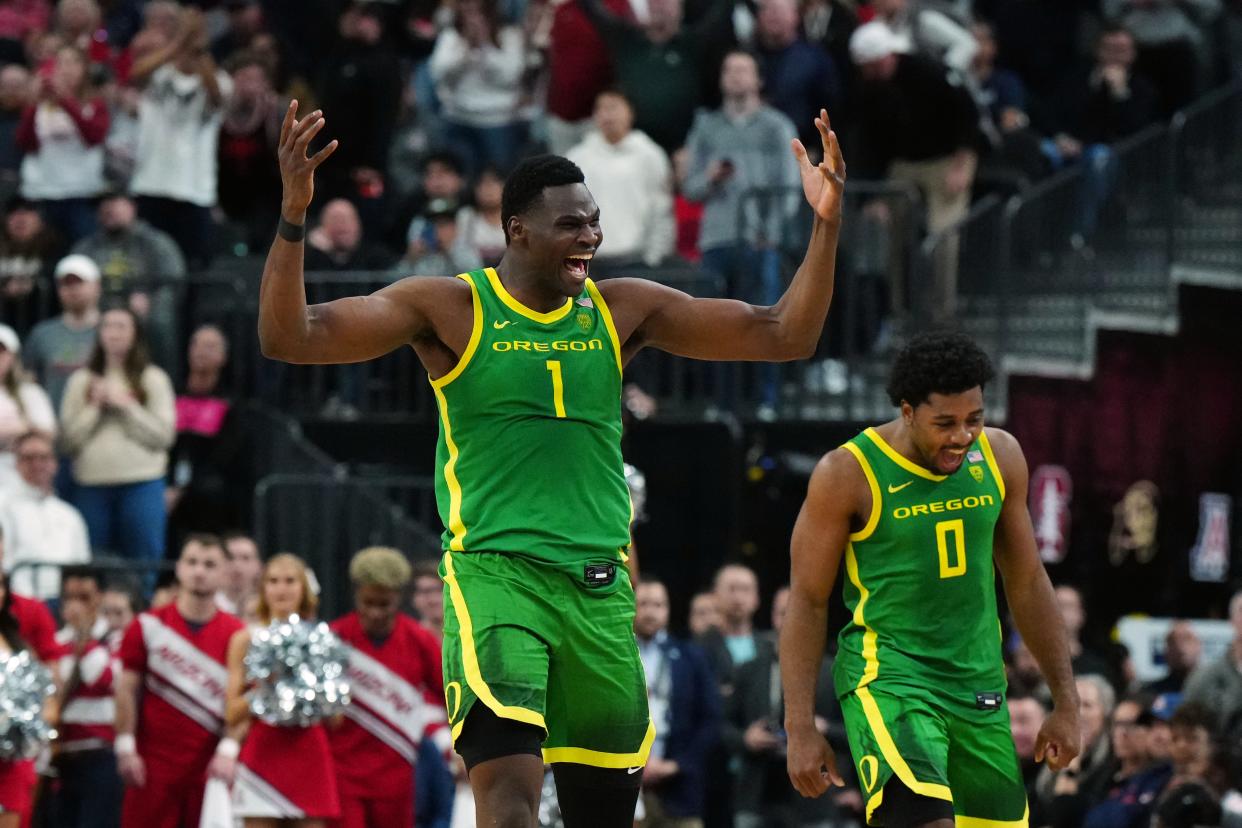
(578, 265)
(951, 459)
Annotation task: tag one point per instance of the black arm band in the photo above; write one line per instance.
(289, 231)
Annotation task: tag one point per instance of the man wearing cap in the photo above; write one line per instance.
(141, 262)
(916, 128)
(59, 346)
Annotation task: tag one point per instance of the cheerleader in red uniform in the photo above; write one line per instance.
(284, 775)
(17, 777)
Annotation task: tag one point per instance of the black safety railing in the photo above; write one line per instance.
(326, 517)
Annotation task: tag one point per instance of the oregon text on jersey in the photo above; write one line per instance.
(953, 505)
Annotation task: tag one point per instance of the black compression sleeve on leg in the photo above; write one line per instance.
(484, 735)
(597, 797)
(903, 808)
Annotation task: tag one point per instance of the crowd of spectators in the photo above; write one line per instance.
(143, 134)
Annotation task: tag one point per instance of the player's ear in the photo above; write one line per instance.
(907, 413)
(515, 227)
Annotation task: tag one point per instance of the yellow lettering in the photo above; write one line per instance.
(595, 345)
(971, 502)
(938, 506)
(577, 346)
(541, 346)
(953, 505)
(560, 345)
(502, 346)
(521, 345)
(987, 500)
(901, 512)
(919, 510)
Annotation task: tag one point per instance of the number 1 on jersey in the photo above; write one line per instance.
(558, 387)
(958, 530)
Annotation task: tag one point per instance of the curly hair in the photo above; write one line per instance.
(526, 184)
(380, 566)
(937, 363)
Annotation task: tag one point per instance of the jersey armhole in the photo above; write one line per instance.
(993, 466)
(876, 506)
(476, 334)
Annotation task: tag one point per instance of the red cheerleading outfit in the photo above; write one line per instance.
(182, 712)
(285, 773)
(397, 699)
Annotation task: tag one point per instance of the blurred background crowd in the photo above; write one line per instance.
(140, 190)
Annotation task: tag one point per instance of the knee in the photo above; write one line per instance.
(509, 802)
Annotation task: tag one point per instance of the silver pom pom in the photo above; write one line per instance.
(25, 685)
(298, 669)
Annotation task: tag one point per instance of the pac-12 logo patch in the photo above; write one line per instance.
(584, 320)
(977, 473)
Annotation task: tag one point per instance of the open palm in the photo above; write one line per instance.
(823, 183)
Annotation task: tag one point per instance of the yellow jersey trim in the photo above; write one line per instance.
(897, 457)
(986, 445)
(870, 649)
(517, 307)
(470, 659)
(976, 822)
(876, 507)
(457, 542)
(891, 755)
(601, 759)
(598, 299)
(872, 803)
(476, 334)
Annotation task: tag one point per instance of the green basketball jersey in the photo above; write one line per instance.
(529, 455)
(920, 580)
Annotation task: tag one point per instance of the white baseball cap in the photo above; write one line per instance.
(9, 340)
(80, 265)
(875, 40)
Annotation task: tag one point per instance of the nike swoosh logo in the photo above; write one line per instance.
(499, 325)
(894, 489)
(633, 771)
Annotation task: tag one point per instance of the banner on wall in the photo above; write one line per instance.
(1051, 491)
(1209, 557)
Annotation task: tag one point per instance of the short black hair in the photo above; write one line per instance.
(525, 185)
(937, 363)
(85, 572)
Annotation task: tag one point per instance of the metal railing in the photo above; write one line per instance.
(326, 518)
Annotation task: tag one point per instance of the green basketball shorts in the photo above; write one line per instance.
(962, 756)
(536, 644)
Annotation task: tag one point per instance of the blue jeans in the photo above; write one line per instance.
(75, 218)
(1099, 177)
(751, 274)
(479, 147)
(89, 791)
(127, 520)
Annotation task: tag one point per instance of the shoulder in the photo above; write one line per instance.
(416, 289)
(1006, 449)
(155, 376)
(627, 291)
(839, 468)
(342, 625)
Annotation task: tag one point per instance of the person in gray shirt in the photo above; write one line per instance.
(57, 347)
(740, 168)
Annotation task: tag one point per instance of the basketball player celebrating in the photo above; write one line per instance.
(525, 362)
(922, 509)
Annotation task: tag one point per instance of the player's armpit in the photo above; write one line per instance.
(358, 328)
(649, 314)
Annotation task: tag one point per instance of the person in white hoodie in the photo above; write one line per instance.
(632, 181)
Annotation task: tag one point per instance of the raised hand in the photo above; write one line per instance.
(297, 171)
(823, 184)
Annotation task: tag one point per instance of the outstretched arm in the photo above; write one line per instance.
(819, 539)
(725, 329)
(1034, 605)
(345, 330)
